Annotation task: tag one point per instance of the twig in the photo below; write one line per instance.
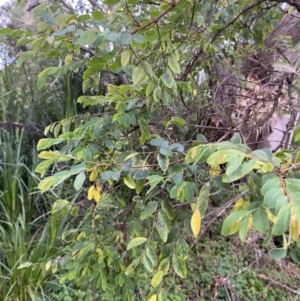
(278, 283)
(235, 19)
(155, 20)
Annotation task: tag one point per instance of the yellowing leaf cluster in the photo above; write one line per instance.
(94, 192)
(215, 170)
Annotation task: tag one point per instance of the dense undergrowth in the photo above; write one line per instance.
(219, 268)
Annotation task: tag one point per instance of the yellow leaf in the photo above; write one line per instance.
(195, 92)
(196, 223)
(96, 195)
(267, 167)
(215, 170)
(93, 175)
(91, 192)
(241, 204)
(48, 265)
(271, 216)
(235, 226)
(68, 59)
(258, 164)
(98, 187)
(295, 228)
(250, 223)
(153, 298)
(157, 278)
(193, 207)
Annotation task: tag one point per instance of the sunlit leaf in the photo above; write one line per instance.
(136, 242)
(233, 222)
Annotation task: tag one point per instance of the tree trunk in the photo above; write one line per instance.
(264, 96)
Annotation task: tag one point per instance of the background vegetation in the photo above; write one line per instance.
(143, 160)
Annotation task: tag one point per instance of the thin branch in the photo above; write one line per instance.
(278, 283)
(235, 19)
(155, 20)
(223, 209)
(94, 4)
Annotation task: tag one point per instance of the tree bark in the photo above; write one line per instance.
(280, 45)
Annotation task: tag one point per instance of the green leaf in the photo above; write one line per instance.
(111, 2)
(140, 174)
(176, 191)
(244, 228)
(151, 255)
(167, 209)
(6, 31)
(162, 296)
(163, 162)
(54, 180)
(149, 210)
(260, 220)
(157, 94)
(293, 189)
(179, 265)
(164, 265)
(219, 157)
(240, 172)
(79, 180)
(136, 242)
(295, 255)
(274, 182)
(199, 154)
(168, 80)
(48, 142)
(234, 163)
(132, 266)
(236, 139)
(177, 121)
(162, 226)
(110, 175)
(145, 133)
(129, 182)
(98, 15)
(233, 222)
(182, 248)
(61, 208)
(147, 69)
(173, 63)
(147, 263)
(157, 278)
(154, 180)
(278, 253)
(138, 38)
(41, 81)
(25, 265)
(125, 57)
(282, 220)
(125, 38)
(137, 74)
(189, 191)
(165, 150)
(275, 198)
(202, 200)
